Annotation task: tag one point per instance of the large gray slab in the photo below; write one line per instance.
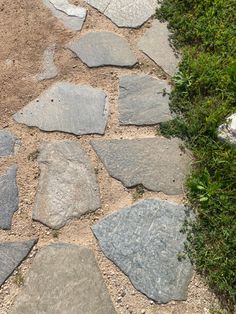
(65, 279)
(67, 185)
(67, 107)
(72, 16)
(227, 131)
(126, 14)
(49, 69)
(157, 163)
(102, 49)
(144, 241)
(8, 197)
(155, 44)
(11, 255)
(7, 143)
(143, 100)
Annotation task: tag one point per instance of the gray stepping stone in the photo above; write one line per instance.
(65, 279)
(155, 44)
(72, 16)
(7, 143)
(227, 131)
(67, 185)
(11, 255)
(143, 100)
(67, 107)
(156, 163)
(49, 69)
(8, 197)
(102, 49)
(126, 14)
(144, 241)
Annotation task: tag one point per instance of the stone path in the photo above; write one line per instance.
(87, 156)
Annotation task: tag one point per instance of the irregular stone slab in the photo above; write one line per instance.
(143, 100)
(67, 107)
(103, 48)
(8, 197)
(126, 14)
(227, 131)
(7, 143)
(155, 44)
(67, 186)
(11, 255)
(49, 69)
(65, 279)
(156, 163)
(144, 241)
(72, 16)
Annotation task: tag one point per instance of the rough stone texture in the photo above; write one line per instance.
(67, 186)
(143, 100)
(72, 16)
(157, 163)
(8, 197)
(227, 131)
(65, 279)
(49, 69)
(11, 255)
(103, 48)
(68, 108)
(126, 14)
(155, 44)
(7, 143)
(144, 241)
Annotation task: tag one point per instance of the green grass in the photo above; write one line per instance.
(204, 95)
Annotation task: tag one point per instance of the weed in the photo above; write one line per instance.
(138, 193)
(34, 155)
(55, 234)
(18, 278)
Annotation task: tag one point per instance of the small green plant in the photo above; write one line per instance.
(33, 155)
(19, 279)
(55, 234)
(138, 193)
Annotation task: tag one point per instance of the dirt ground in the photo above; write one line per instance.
(27, 28)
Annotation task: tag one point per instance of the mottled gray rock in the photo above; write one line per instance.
(65, 279)
(227, 131)
(49, 69)
(67, 185)
(157, 163)
(7, 143)
(72, 16)
(143, 100)
(103, 48)
(155, 44)
(144, 240)
(126, 14)
(11, 255)
(8, 197)
(68, 108)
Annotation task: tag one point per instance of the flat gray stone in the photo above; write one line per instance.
(8, 197)
(143, 100)
(157, 163)
(11, 255)
(155, 44)
(49, 69)
(144, 241)
(65, 279)
(72, 16)
(227, 131)
(67, 107)
(7, 143)
(126, 14)
(102, 49)
(67, 185)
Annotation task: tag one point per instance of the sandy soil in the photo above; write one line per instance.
(26, 29)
